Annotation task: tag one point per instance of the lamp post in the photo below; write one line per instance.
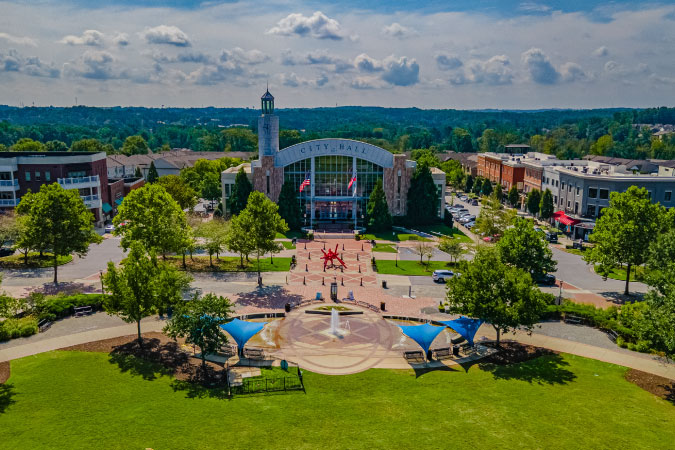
(560, 293)
(397, 256)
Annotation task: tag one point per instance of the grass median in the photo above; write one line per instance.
(18, 261)
(231, 264)
(389, 267)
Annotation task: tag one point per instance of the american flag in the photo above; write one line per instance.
(307, 182)
(351, 182)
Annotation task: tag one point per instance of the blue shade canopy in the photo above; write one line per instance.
(424, 334)
(242, 330)
(107, 208)
(465, 326)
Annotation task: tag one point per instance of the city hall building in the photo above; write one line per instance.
(333, 177)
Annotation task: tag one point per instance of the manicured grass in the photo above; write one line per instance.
(446, 231)
(619, 273)
(393, 236)
(17, 261)
(410, 267)
(83, 400)
(574, 251)
(384, 248)
(231, 264)
(288, 245)
(290, 235)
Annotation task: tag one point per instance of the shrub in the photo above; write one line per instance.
(59, 306)
(357, 237)
(15, 328)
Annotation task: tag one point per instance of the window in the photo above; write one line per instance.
(569, 188)
(592, 192)
(268, 184)
(27, 176)
(578, 190)
(568, 203)
(562, 185)
(37, 176)
(576, 207)
(590, 211)
(555, 199)
(48, 176)
(604, 194)
(649, 193)
(668, 195)
(77, 174)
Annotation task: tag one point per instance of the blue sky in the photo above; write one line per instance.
(435, 54)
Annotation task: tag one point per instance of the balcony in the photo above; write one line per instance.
(9, 202)
(9, 185)
(79, 182)
(92, 201)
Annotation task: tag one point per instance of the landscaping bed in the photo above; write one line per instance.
(18, 261)
(4, 371)
(660, 386)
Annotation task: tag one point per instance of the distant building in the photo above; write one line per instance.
(336, 175)
(166, 163)
(468, 161)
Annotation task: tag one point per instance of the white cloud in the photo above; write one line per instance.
(493, 71)
(571, 72)
(242, 56)
(365, 63)
(367, 82)
(446, 61)
(121, 39)
(318, 26)
(95, 65)
(13, 61)
(399, 31)
(92, 38)
(601, 52)
(166, 34)
(401, 71)
(533, 7)
(185, 57)
(539, 66)
(293, 80)
(315, 58)
(17, 40)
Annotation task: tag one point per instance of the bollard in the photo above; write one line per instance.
(323, 281)
(361, 247)
(305, 245)
(357, 257)
(410, 291)
(324, 268)
(306, 269)
(286, 279)
(309, 255)
(342, 282)
(303, 280)
(343, 246)
(324, 246)
(359, 268)
(361, 281)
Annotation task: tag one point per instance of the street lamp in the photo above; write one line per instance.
(397, 256)
(560, 293)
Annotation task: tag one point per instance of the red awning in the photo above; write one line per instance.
(558, 213)
(567, 220)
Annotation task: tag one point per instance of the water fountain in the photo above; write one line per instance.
(335, 322)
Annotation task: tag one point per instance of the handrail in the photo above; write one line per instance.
(14, 182)
(79, 180)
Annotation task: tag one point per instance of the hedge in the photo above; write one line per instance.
(60, 306)
(16, 328)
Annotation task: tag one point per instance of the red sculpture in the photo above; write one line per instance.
(332, 256)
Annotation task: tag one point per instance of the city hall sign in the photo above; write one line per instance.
(338, 147)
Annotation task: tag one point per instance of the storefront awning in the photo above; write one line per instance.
(118, 202)
(107, 208)
(567, 220)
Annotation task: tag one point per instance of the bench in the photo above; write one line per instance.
(571, 318)
(82, 310)
(44, 325)
(254, 353)
(440, 353)
(415, 355)
(458, 340)
(228, 350)
(612, 335)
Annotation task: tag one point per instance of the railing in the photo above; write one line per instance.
(14, 182)
(90, 198)
(76, 182)
(9, 202)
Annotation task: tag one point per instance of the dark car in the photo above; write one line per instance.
(552, 237)
(474, 202)
(6, 252)
(547, 279)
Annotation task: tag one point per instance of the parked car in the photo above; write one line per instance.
(474, 202)
(109, 228)
(6, 252)
(440, 276)
(552, 237)
(548, 279)
(464, 198)
(459, 213)
(470, 225)
(467, 219)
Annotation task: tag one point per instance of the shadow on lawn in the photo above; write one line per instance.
(547, 369)
(423, 369)
(273, 297)
(150, 361)
(6, 394)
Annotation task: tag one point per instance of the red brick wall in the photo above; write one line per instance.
(276, 178)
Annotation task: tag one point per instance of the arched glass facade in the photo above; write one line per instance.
(328, 199)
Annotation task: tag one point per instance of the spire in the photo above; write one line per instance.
(267, 102)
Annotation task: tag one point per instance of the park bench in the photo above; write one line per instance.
(44, 325)
(612, 335)
(82, 310)
(571, 318)
(458, 340)
(415, 355)
(228, 350)
(254, 353)
(445, 352)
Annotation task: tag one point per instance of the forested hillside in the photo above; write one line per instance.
(566, 133)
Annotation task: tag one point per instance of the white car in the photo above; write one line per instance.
(109, 228)
(440, 276)
(467, 219)
(460, 213)
(470, 225)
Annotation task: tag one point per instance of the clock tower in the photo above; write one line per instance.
(268, 127)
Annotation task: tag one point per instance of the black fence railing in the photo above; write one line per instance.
(262, 384)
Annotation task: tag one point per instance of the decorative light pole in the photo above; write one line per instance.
(397, 256)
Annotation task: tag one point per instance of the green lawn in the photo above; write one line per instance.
(34, 260)
(288, 245)
(76, 400)
(291, 235)
(393, 236)
(446, 231)
(384, 248)
(619, 273)
(410, 267)
(231, 264)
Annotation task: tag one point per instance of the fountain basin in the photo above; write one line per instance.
(328, 313)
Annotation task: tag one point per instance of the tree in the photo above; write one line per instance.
(424, 249)
(262, 216)
(603, 145)
(487, 187)
(87, 145)
(461, 140)
(240, 192)
(377, 210)
(58, 220)
(178, 188)
(198, 321)
(477, 186)
(499, 192)
(452, 247)
(661, 261)
(513, 196)
(135, 145)
(239, 140)
(150, 215)
(138, 173)
(533, 201)
(238, 239)
(211, 187)
(468, 183)
(624, 232)
(501, 295)
(422, 202)
(10, 229)
(213, 235)
(489, 141)
(524, 247)
(141, 286)
(28, 145)
(56, 146)
(493, 218)
(546, 205)
(152, 173)
(289, 208)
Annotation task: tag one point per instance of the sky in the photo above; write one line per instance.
(462, 54)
